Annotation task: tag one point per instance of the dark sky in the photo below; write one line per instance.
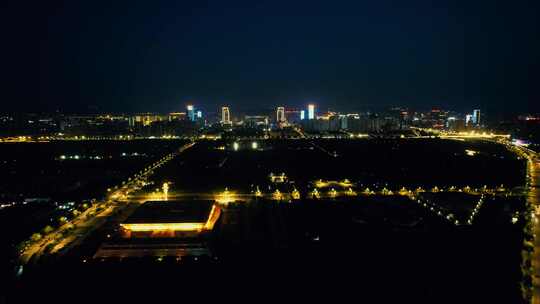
(158, 55)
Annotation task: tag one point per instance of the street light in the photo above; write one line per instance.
(165, 188)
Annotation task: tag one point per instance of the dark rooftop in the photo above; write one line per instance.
(172, 212)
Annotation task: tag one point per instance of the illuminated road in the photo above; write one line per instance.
(302, 135)
(533, 199)
(92, 218)
(532, 194)
(39, 247)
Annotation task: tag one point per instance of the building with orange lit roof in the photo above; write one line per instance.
(171, 219)
(164, 228)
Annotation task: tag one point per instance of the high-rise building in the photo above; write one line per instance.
(280, 117)
(476, 117)
(177, 116)
(256, 120)
(311, 111)
(191, 112)
(225, 115)
(302, 115)
(147, 119)
(468, 120)
(199, 114)
(455, 124)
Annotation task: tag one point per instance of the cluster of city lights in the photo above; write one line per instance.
(7, 205)
(97, 157)
(63, 137)
(254, 146)
(66, 206)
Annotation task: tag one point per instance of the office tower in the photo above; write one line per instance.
(255, 120)
(225, 115)
(280, 114)
(476, 117)
(191, 112)
(450, 122)
(199, 114)
(468, 120)
(311, 111)
(302, 115)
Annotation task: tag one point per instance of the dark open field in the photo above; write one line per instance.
(372, 248)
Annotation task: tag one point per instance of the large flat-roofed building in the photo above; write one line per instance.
(164, 228)
(171, 219)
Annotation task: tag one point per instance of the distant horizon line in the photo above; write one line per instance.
(243, 109)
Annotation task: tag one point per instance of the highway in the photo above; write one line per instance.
(532, 193)
(533, 199)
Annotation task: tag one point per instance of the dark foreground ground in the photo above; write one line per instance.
(304, 252)
(377, 250)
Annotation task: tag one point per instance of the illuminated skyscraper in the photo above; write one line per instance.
(311, 111)
(280, 114)
(191, 112)
(199, 114)
(468, 120)
(302, 115)
(476, 117)
(225, 115)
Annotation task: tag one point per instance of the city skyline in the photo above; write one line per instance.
(383, 151)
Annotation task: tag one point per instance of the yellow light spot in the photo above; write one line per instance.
(277, 195)
(332, 192)
(295, 194)
(225, 197)
(163, 227)
(471, 152)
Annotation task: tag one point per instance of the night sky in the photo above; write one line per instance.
(132, 56)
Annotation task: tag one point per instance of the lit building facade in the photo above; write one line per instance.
(191, 112)
(468, 120)
(177, 116)
(280, 115)
(225, 116)
(476, 117)
(159, 228)
(256, 120)
(311, 111)
(146, 119)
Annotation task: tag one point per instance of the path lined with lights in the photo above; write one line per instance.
(533, 198)
(302, 135)
(90, 219)
(346, 189)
